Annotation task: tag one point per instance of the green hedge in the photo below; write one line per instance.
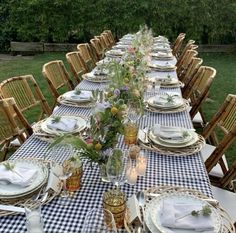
(206, 21)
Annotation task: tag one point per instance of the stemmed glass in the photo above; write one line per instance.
(116, 168)
(99, 220)
(65, 171)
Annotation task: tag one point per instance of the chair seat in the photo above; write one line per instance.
(227, 200)
(217, 170)
(198, 118)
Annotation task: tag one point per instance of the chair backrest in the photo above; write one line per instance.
(190, 72)
(76, 65)
(106, 40)
(182, 68)
(178, 43)
(26, 93)
(202, 81)
(12, 124)
(93, 53)
(98, 48)
(86, 56)
(57, 77)
(225, 120)
(189, 46)
(102, 42)
(111, 37)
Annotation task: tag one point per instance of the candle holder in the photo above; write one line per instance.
(134, 151)
(131, 173)
(141, 164)
(115, 201)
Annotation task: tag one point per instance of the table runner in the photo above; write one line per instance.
(186, 171)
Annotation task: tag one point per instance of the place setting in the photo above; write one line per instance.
(166, 103)
(173, 209)
(170, 140)
(77, 98)
(115, 53)
(54, 126)
(164, 66)
(165, 56)
(23, 182)
(98, 75)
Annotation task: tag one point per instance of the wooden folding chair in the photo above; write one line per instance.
(182, 68)
(213, 155)
(111, 37)
(189, 46)
(26, 93)
(76, 65)
(105, 37)
(177, 45)
(57, 77)
(102, 42)
(190, 72)
(199, 89)
(13, 125)
(98, 48)
(93, 53)
(225, 197)
(86, 56)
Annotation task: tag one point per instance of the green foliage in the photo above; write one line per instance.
(206, 21)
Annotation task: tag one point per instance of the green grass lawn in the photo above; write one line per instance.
(224, 83)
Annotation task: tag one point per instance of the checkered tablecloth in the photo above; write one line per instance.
(186, 171)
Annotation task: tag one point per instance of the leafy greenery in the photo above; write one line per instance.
(79, 20)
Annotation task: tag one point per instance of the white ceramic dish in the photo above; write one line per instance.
(71, 96)
(80, 125)
(154, 207)
(13, 191)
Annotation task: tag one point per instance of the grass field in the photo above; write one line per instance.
(224, 83)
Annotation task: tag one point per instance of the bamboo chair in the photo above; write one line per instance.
(177, 45)
(86, 56)
(98, 48)
(102, 42)
(13, 125)
(26, 93)
(93, 53)
(213, 155)
(200, 85)
(111, 37)
(76, 65)
(189, 46)
(225, 197)
(190, 72)
(182, 68)
(105, 38)
(57, 77)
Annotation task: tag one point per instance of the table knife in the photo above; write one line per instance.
(12, 208)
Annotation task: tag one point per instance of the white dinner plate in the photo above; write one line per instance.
(154, 207)
(80, 125)
(71, 96)
(178, 101)
(161, 142)
(13, 191)
(95, 78)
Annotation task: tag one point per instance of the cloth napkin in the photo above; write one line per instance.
(65, 124)
(21, 175)
(84, 95)
(168, 132)
(171, 212)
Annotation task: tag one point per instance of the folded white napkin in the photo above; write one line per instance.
(168, 132)
(21, 175)
(84, 95)
(65, 124)
(172, 212)
(160, 100)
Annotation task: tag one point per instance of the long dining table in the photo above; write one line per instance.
(184, 171)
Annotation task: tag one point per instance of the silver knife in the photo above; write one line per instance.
(12, 208)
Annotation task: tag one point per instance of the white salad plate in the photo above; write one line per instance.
(153, 212)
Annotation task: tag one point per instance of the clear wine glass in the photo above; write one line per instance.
(99, 220)
(134, 111)
(116, 168)
(61, 167)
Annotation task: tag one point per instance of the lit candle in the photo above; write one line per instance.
(141, 165)
(132, 176)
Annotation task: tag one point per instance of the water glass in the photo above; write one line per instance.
(130, 133)
(115, 201)
(99, 220)
(34, 221)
